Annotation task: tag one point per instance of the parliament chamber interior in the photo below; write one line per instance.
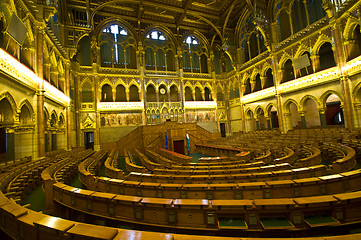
(179, 120)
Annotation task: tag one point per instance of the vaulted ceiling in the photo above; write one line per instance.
(206, 16)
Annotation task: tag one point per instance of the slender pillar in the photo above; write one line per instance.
(157, 95)
(97, 115)
(68, 112)
(10, 148)
(278, 96)
(40, 92)
(280, 113)
(322, 118)
(257, 125)
(303, 120)
(344, 80)
(77, 112)
(358, 115)
(268, 123)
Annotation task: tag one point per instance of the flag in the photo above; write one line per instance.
(166, 141)
(188, 144)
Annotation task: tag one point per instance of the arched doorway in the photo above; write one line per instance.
(251, 122)
(272, 113)
(312, 116)
(334, 113)
(262, 121)
(295, 118)
(7, 150)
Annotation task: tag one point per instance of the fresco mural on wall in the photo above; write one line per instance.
(200, 116)
(120, 119)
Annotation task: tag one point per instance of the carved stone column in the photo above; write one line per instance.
(268, 123)
(357, 115)
(315, 62)
(157, 94)
(323, 121)
(344, 80)
(77, 110)
(278, 96)
(303, 119)
(288, 123)
(126, 94)
(40, 92)
(68, 112)
(97, 113)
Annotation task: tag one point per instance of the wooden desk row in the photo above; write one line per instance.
(222, 151)
(203, 214)
(146, 162)
(111, 166)
(297, 173)
(347, 162)
(155, 157)
(289, 158)
(304, 187)
(131, 167)
(175, 157)
(313, 159)
(21, 223)
(87, 168)
(5, 166)
(221, 171)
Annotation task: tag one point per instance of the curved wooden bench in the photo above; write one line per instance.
(247, 176)
(146, 162)
(202, 214)
(131, 167)
(175, 157)
(314, 158)
(329, 184)
(111, 166)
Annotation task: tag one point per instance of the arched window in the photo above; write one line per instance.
(258, 84)
(117, 47)
(295, 17)
(247, 89)
(207, 94)
(354, 50)
(107, 94)
(163, 94)
(299, 18)
(198, 94)
(84, 51)
(285, 25)
(252, 41)
(25, 116)
(134, 94)
(269, 79)
(315, 10)
(159, 52)
(174, 94)
(188, 94)
(151, 96)
(327, 59)
(120, 95)
(308, 69)
(194, 55)
(288, 72)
